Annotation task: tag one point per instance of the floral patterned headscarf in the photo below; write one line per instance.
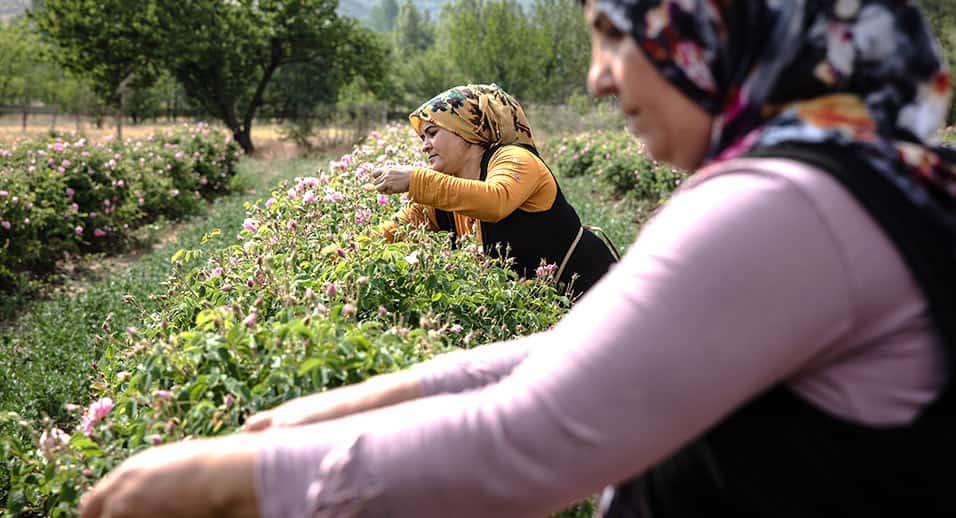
(480, 114)
(860, 74)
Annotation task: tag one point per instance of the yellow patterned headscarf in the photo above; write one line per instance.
(480, 114)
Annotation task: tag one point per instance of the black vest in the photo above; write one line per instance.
(779, 456)
(526, 237)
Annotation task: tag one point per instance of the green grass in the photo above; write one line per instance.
(48, 353)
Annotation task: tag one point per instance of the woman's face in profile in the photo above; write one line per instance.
(446, 151)
(674, 129)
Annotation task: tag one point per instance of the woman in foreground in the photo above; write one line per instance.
(779, 342)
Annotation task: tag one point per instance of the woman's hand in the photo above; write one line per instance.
(208, 477)
(392, 179)
(376, 392)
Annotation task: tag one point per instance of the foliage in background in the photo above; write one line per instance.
(539, 54)
(224, 54)
(67, 195)
(617, 160)
(942, 17)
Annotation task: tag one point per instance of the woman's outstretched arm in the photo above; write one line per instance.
(516, 179)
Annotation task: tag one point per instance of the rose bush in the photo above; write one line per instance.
(63, 195)
(617, 161)
(309, 296)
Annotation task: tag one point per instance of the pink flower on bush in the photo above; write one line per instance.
(348, 310)
(334, 196)
(215, 272)
(455, 328)
(545, 271)
(156, 439)
(99, 232)
(382, 311)
(308, 197)
(78, 230)
(251, 225)
(382, 199)
(52, 440)
(330, 289)
(70, 192)
(162, 395)
(226, 288)
(5, 225)
(96, 413)
(250, 321)
(4, 194)
(269, 202)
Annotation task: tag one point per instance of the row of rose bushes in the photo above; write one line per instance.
(617, 161)
(308, 297)
(63, 195)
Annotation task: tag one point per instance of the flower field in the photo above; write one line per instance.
(306, 297)
(69, 195)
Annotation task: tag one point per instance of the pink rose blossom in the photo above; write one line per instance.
(78, 230)
(70, 192)
(250, 321)
(269, 202)
(330, 289)
(99, 233)
(215, 272)
(382, 199)
(5, 225)
(251, 225)
(96, 413)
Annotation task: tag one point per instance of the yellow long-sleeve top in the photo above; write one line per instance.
(516, 179)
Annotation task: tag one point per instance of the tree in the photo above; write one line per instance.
(28, 76)
(564, 32)
(111, 43)
(413, 32)
(493, 41)
(382, 16)
(224, 53)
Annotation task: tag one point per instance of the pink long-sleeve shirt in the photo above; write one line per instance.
(766, 272)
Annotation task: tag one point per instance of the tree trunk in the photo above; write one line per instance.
(26, 113)
(243, 137)
(78, 128)
(53, 122)
(119, 124)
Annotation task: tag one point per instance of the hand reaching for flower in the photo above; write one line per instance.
(209, 477)
(392, 179)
